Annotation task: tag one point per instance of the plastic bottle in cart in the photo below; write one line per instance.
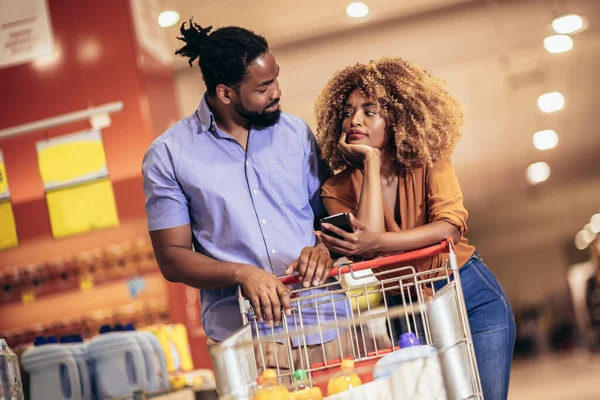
(343, 380)
(11, 387)
(410, 349)
(358, 297)
(270, 388)
(302, 388)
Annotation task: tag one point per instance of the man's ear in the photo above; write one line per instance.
(225, 93)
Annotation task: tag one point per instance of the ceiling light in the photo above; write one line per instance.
(538, 172)
(595, 223)
(357, 10)
(568, 24)
(586, 236)
(48, 60)
(589, 229)
(545, 140)
(168, 18)
(551, 102)
(558, 44)
(581, 240)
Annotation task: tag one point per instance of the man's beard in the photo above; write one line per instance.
(259, 120)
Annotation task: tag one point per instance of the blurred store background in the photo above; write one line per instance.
(74, 249)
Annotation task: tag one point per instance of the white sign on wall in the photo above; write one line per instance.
(25, 31)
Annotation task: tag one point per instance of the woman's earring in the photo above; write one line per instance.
(348, 162)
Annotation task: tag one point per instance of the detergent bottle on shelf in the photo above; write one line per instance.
(270, 388)
(302, 388)
(343, 380)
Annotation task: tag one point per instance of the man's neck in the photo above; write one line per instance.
(229, 121)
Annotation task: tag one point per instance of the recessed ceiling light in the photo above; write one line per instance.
(558, 44)
(582, 240)
(545, 140)
(168, 18)
(538, 172)
(568, 24)
(48, 60)
(357, 10)
(595, 223)
(551, 102)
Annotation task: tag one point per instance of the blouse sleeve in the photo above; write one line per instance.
(337, 198)
(444, 197)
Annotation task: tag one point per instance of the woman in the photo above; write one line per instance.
(390, 128)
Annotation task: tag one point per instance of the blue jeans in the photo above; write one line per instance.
(492, 325)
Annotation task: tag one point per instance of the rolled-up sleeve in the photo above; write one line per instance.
(444, 197)
(166, 203)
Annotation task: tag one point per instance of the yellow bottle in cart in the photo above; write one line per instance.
(270, 388)
(303, 391)
(358, 297)
(343, 380)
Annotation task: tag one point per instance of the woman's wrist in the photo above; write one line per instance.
(372, 159)
(378, 241)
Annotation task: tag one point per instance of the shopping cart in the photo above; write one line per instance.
(377, 309)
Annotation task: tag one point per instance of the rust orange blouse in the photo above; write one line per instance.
(426, 194)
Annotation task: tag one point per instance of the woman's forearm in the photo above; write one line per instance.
(370, 206)
(416, 238)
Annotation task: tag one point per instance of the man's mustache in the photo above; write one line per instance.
(276, 101)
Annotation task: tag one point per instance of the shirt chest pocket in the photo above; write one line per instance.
(286, 175)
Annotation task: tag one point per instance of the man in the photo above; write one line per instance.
(240, 181)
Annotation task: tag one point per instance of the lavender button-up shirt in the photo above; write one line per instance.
(255, 207)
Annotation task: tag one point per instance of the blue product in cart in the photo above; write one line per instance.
(410, 349)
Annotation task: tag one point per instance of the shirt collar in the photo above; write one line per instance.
(207, 118)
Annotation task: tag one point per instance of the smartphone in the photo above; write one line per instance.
(341, 220)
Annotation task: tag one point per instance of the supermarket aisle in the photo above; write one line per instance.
(574, 376)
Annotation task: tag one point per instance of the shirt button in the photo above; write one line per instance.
(247, 162)
(255, 191)
(272, 251)
(264, 221)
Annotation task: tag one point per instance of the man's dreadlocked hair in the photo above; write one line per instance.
(224, 54)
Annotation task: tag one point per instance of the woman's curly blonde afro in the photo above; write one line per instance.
(423, 117)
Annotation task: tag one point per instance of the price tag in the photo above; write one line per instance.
(86, 282)
(136, 286)
(27, 296)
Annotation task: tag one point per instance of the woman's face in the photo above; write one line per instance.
(362, 121)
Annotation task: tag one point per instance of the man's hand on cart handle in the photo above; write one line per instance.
(266, 293)
(313, 265)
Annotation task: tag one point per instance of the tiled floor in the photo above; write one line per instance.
(569, 377)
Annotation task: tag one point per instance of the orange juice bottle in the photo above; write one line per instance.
(270, 388)
(303, 391)
(343, 380)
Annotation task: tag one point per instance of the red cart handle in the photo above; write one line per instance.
(443, 247)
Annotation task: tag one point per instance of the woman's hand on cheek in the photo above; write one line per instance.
(356, 152)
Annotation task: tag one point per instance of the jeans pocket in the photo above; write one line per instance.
(486, 303)
(490, 280)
